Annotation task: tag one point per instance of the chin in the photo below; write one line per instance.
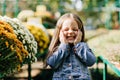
(71, 41)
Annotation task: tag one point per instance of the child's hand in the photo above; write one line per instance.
(62, 38)
(78, 37)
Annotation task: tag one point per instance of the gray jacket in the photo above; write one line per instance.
(71, 63)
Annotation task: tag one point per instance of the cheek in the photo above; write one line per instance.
(65, 32)
(76, 33)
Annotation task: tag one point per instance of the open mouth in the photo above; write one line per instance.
(70, 38)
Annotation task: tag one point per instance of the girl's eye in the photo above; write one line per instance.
(66, 29)
(75, 29)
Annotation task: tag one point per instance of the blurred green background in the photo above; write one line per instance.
(101, 19)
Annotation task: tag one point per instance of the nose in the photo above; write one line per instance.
(70, 31)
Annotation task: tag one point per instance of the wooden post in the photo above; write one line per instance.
(119, 11)
(105, 72)
(16, 8)
(29, 71)
(3, 7)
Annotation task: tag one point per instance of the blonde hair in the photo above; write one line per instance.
(55, 39)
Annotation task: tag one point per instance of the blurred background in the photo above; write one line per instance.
(104, 13)
(101, 19)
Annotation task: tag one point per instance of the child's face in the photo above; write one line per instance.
(70, 30)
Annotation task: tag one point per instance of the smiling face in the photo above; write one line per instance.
(70, 29)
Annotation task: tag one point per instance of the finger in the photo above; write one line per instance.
(64, 37)
(78, 38)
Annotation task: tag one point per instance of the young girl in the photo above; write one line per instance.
(69, 55)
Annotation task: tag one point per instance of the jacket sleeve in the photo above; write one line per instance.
(58, 56)
(85, 54)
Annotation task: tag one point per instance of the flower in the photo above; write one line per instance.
(41, 37)
(17, 46)
(24, 35)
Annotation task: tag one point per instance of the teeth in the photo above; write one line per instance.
(70, 37)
